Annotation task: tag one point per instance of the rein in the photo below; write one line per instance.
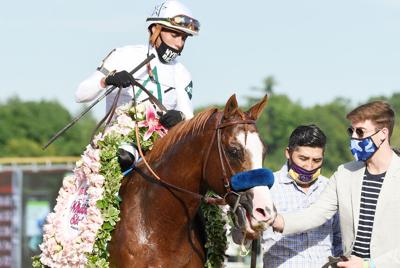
(152, 99)
(156, 178)
(107, 118)
(222, 157)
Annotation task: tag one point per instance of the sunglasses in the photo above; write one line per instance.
(181, 21)
(360, 132)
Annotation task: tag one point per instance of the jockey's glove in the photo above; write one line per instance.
(119, 79)
(171, 118)
(127, 156)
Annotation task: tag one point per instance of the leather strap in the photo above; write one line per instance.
(107, 118)
(254, 246)
(153, 99)
(165, 91)
(221, 152)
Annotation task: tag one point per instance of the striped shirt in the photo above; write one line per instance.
(371, 187)
(309, 249)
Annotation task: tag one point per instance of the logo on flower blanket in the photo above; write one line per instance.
(78, 206)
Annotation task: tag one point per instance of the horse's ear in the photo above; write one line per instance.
(255, 111)
(231, 106)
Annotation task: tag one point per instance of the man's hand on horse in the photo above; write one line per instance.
(278, 223)
(171, 118)
(352, 262)
(119, 79)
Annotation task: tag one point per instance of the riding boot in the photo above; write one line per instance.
(127, 157)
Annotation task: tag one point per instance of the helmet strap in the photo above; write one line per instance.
(154, 35)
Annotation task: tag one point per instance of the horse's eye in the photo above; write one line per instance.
(234, 152)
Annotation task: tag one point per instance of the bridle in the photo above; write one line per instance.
(223, 159)
(225, 179)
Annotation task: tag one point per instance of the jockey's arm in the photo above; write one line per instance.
(90, 88)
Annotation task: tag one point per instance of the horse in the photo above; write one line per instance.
(200, 154)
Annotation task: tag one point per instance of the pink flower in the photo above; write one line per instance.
(152, 123)
(94, 154)
(90, 164)
(69, 183)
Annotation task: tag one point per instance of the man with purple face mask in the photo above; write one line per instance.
(297, 185)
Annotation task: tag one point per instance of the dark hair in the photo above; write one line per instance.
(307, 135)
(379, 112)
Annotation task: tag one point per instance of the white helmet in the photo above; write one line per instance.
(175, 15)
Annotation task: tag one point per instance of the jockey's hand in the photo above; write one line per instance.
(119, 79)
(171, 118)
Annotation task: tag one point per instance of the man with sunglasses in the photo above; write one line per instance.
(297, 185)
(364, 192)
(168, 80)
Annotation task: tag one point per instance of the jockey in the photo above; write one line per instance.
(169, 81)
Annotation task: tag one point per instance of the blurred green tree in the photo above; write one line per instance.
(27, 125)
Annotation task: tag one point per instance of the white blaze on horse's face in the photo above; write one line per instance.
(253, 145)
(263, 207)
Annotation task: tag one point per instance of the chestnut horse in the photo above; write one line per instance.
(196, 155)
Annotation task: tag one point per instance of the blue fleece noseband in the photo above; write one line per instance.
(252, 178)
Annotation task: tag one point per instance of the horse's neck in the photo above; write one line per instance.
(181, 167)
(153, 215)
(182, 164)
(169, 209)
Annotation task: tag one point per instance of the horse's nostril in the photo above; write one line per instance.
(261, 211)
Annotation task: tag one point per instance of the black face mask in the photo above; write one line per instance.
(166, 54)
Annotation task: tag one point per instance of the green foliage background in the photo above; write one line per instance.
(27, 125)
(282, 115)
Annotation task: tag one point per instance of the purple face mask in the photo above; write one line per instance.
(302, 175)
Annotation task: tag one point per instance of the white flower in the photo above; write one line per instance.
(123, 109)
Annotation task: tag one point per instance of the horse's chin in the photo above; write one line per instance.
(250, 228)
(253, 228)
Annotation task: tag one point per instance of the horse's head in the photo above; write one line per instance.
(235, 148)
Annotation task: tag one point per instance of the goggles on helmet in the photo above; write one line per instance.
(180, 21)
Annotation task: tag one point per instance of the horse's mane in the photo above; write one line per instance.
(193, 126)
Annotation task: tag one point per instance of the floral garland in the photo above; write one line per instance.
(91, 193)
(89, 201)
(217, 226)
